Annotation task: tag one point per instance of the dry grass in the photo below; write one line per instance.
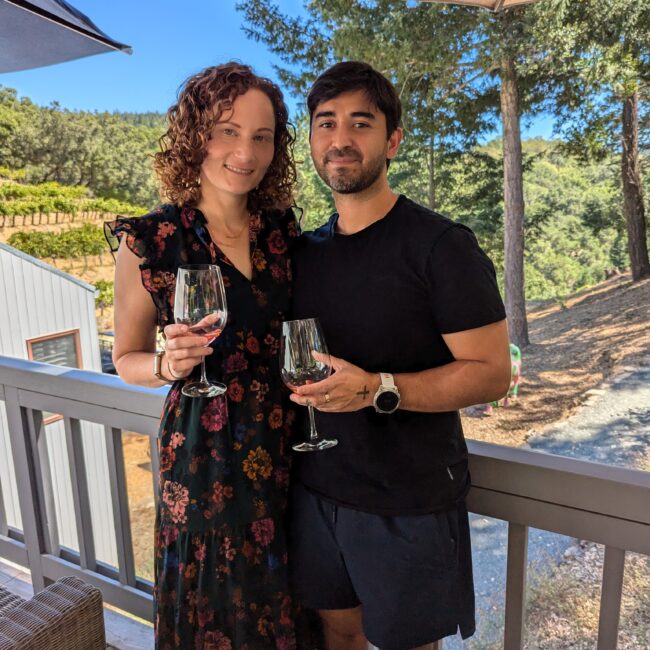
(564, 604)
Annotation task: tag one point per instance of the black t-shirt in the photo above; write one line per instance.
(384, 296)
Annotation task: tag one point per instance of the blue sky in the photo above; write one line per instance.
(171, 40)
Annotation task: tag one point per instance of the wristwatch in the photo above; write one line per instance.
(387, 397)
(157, 366)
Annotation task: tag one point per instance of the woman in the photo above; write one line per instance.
(226, 168)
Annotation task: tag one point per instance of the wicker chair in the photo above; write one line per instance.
(67, 615)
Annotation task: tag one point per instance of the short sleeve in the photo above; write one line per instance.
(463, 283)
(151, 238)
(136, 231)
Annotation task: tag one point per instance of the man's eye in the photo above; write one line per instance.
(361, 125)
(325, 125)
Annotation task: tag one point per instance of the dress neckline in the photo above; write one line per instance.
(200, 224)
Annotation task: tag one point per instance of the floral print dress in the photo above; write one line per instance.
(220, 548)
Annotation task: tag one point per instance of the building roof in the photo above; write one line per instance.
(47, 267)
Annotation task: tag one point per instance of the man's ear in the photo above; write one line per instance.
(394, 141)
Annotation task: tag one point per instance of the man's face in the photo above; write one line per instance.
(349, 142)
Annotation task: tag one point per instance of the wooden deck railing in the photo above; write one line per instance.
(608, 505)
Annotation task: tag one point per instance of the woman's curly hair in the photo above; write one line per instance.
(201, 102)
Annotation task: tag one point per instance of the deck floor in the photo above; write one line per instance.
(122, 632)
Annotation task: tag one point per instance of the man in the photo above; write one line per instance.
(411, 312)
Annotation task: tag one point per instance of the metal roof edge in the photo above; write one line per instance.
(47, 267)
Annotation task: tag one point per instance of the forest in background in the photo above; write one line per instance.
(55, 161)
(463, 73)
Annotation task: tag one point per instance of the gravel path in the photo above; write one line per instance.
(612, 427)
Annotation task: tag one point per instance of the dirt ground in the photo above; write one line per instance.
(575, 345)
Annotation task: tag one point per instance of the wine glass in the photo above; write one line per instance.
(299, 367)
(200, 303)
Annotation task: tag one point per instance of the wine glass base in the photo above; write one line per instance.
(318, 445)
(199, 389)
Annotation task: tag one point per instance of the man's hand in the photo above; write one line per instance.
(348, 388)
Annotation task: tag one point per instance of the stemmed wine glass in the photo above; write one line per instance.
(200, 303)
(299, 367)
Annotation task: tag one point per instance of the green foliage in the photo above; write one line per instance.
(12, 174)
(20, 199)
(566, 258)
(109, 153)
(74, 242)
(313, 197)
(105, 294)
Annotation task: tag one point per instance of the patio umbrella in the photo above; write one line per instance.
(493, 5)
(43, 32)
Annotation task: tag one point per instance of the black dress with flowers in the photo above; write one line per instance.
(221, 560)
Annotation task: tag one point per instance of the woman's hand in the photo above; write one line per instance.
(183, 350)
(348, 388)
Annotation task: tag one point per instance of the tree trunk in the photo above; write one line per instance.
(431, 165)
(633, 207)
(513, 198)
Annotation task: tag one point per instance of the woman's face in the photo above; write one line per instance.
(241, 146)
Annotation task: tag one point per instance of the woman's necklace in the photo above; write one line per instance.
(234, 239)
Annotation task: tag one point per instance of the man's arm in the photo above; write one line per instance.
(480, 373)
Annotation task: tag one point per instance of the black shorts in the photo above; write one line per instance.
(412, 575)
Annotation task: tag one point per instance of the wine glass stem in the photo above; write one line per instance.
(313, 434)
(204, 379)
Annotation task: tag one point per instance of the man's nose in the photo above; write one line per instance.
(341, 138)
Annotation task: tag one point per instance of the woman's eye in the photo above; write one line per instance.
(228, 131)
(263, 138)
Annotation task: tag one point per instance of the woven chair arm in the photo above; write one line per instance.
(67, 615)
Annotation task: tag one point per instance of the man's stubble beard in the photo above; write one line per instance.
(354, 182)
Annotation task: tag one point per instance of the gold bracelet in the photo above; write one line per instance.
(157, 367)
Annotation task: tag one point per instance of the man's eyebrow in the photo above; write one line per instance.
(368, 116)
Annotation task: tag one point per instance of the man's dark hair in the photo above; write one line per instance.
(349, 76)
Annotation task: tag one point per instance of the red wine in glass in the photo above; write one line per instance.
(298, 366)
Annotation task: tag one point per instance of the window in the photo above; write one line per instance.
(60, 349)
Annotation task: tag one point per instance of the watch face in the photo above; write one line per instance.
(387, 401)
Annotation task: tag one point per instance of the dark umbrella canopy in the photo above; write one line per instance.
(44, 32)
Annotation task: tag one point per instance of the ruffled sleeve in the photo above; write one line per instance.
(154, 238)
(134, 230)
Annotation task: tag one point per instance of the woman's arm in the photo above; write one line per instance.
(135, 331)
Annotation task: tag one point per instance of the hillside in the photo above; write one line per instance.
(575, 345)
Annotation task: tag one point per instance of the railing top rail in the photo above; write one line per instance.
(612, 491)
(618, 492)
(86, 386)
